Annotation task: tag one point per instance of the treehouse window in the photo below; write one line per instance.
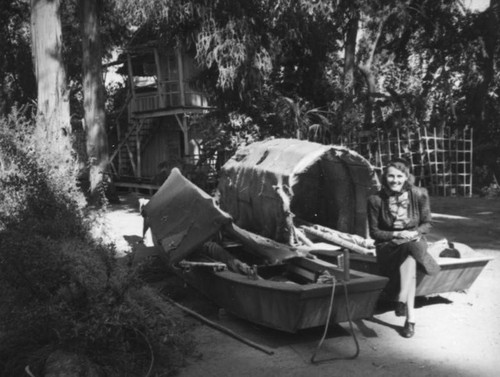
(149, 69)
(172, 68)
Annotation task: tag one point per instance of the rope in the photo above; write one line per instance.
(327, 324)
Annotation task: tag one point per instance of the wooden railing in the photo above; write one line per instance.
(150, 101)
(145, 102)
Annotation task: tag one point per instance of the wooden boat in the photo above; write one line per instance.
(273, 284)
(267, 186)
(460, 266)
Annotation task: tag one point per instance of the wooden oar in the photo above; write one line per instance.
(219, 327)
(321, 233)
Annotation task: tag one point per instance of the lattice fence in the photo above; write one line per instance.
(441, 161)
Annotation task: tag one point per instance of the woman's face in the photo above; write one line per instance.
(395, 179)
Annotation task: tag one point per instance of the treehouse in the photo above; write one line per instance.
(156, 131)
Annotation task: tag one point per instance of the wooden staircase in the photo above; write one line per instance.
(126, 158)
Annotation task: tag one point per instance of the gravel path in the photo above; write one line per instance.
(457, 334)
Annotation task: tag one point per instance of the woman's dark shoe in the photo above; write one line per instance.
(400, 309)
(409, 329)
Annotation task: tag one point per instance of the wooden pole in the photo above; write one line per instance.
(436, 155)
(429, 160)
(470, 160)
(118, 138)
(334, 238)
(130, 76)
(221, 328)
(410, 150)
(399, 143)
(180, 69)
(159, 79)
(388, 148)
(138, 148)
(379, 142)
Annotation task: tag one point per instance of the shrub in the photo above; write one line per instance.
(61, 288)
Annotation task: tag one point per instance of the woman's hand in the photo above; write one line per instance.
(406, 234)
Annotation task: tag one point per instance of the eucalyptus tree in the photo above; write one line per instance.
(52, 98)
(93, 95)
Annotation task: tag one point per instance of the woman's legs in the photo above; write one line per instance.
(408, 271)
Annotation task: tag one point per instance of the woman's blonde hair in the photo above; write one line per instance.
(402, 165)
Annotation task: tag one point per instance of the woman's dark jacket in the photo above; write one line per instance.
(381, 221)
(392, 252)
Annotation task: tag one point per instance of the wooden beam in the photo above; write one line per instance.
(146, 186)
(131, 157)
(112, 165)
(167, 112)
(159, 79)
(180, 123)
(185, 131)
(117, 150)
(180, 68)
(186, 135)
(123, 141)
(470, 159)
(130, 75)
(138, 148)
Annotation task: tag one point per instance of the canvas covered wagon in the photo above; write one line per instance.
(285, 188)
(251, 276)
(267, 184)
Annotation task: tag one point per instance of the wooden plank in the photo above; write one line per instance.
(122, 142)
(470, 160)
(159, 79)
(146, 186)
(309, 276)
(131, 76)
(332, 236)
(180, 69)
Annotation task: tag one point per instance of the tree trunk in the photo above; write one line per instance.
(349, 69)
(350, 55)
(366, 69)
(489, 40)
(53, 103)
(93, 94)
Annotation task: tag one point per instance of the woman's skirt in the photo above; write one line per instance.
(391, 255)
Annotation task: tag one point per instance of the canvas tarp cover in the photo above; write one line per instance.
(266, 183)
(182, 217)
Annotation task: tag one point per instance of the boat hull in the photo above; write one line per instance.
(456, 274)
(287, 306)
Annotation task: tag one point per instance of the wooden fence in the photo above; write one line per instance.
(441, 161)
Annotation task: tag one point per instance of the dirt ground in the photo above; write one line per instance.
(457, 334)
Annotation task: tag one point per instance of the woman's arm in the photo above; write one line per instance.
(374, 208)
(424, 207)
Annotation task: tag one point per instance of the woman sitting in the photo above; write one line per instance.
(399, 216)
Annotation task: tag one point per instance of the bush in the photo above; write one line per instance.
(62, 289)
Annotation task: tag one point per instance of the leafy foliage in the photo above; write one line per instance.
(282, 63)
(17, 81)
(62, 288)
